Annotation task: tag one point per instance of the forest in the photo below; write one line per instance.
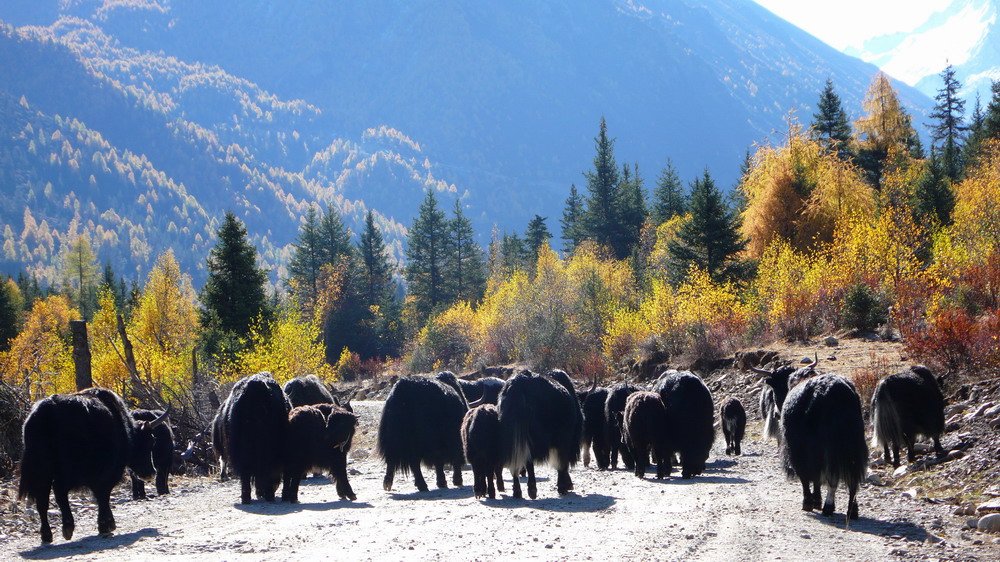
(836, 227)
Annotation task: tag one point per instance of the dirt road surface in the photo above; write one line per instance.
(740, 509)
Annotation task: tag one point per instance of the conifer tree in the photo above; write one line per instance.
(885, 130)
(933, 198)
(711, 239)
(830, 125)
(308, 256)
(536, 236)
(991, 122)
(668, 197)
(947, 131)
(426, 256)
(465, 266)
(80, 275)
(631, 211)
(234, 294)
(977, 132)
(334, 237)
(572, 220)
(381, 321)
(513, 253)
(601, 221)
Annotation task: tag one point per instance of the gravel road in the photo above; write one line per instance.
(740, 509)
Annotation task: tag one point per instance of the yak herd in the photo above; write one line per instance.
(267, 435)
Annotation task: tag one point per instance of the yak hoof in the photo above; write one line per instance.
(827, 509)
(807, 504)
(852, 512)
(46, 536)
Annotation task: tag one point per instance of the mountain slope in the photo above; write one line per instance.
(266, 106)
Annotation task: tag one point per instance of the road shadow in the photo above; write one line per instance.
(87, 545)
(676, 479)
(570, 503)
(870, 526)
(281, 508)
(720, 464)
(435, 494)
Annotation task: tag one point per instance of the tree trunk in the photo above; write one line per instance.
(81, 354)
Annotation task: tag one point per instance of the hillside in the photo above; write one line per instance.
(261, 108)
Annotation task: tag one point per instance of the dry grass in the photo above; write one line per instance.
(867, 377)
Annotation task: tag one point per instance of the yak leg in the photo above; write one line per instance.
(532, 488)
(338, 470)
(736, 447)
(245, 497)
(161, 482)
(489, 485)
(627, 459)
(290, 488)
(442, 480)
(852, 503)
(418, 477)
(390, 474)
(807, 499)
(563, 481)
(456, 466)
(42, 505)
(515, 483)
(138, 486)
(105, 519)
(478, 482)
(61, 496)
(641, 460)
(831, 493)
(586, 453)
(937, 447)
(614, 457)
(499, 479)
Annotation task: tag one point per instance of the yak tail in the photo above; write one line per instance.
(886, 425)
(516, 435)
(38, 455)
(771, 424)
(392, 444)
(846, 458)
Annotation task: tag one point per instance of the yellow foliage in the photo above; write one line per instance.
(659, 259)
(798, 192)
(788, 287)
(976, 227)
(502, 317)
(108, 369)
(447, 340)
(163, 327)
(40, 359)
(881, 250)
(885, 126)
(289, 347)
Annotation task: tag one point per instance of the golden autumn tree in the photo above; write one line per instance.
(289, 346)
(797, 192)
(107, 359)
(885, 133)
(976, 227)
(163, 328)
(40, 359)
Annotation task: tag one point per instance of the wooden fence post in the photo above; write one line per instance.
(81, 354)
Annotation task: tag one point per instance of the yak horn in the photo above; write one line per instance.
(476, 402)
(764, 372)
(159, 420)
(815, 361)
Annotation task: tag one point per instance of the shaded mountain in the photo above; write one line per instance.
(274, 104)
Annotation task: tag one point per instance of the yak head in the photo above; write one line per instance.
(340, 426)
(141, 449)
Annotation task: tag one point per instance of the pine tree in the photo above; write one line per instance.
(949, 111)
(668, 197)
(600, 219)
(631, 211)
(830, 125)
(80, 275)
(381, 323)
(572, 220)
(234, 295)
(711, 239)
(977, 132)
(30, 289)
(991, 123)
(513, 253)
(465, 266)
(933, 198)
(334, 237)
(115, 284)
(309, 253)
(426, 255)
(536, 236)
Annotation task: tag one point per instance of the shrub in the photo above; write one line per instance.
(864, 308)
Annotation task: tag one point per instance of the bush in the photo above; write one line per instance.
(864, 308)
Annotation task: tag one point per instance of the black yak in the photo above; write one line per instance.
(82, 441)
(481, 442)
(162, 454)
(690, 415)
(734, 424)
(614, 413)
(319, 437)
(252, 425)
(905, 407)
(482, 391)
(540, 420)
(421, 424)
(595, 428)
(646, 432)
(772, 397)
(823, 440)
(307, 390)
